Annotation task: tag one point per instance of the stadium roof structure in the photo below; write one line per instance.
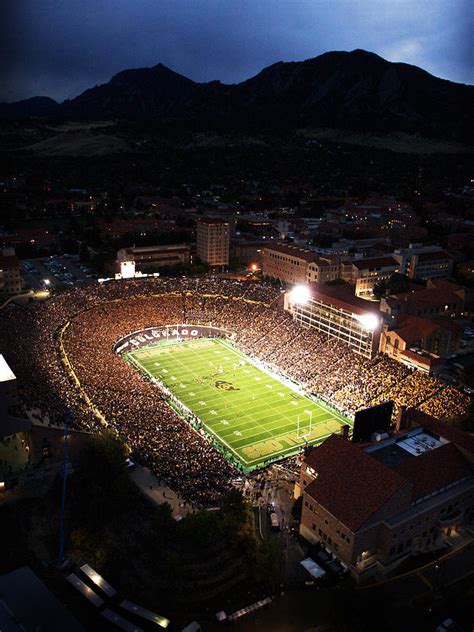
(343, 296)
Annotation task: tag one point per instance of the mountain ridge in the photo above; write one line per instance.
(355, 90)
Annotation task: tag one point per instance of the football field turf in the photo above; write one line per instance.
(254, 416)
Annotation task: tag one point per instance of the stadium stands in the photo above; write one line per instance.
(86, 323)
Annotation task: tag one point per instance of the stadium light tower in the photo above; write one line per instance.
(368, 321)
(300, 295)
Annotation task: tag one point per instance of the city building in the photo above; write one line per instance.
(440, 298)
(152, 258)
(338, 313)
(291, 264)
(10, 272)
(376, 505)
(213, 241)
(424, 262)
(365, 274)
(247, 251)
(421, 343)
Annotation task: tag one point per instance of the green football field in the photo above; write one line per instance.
(253, 415)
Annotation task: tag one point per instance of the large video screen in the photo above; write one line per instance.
(375, 419)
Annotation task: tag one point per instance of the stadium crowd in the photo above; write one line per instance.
(86, 324)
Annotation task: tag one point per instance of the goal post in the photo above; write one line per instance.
(303, 435)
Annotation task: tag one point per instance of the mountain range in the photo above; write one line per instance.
(355, 90)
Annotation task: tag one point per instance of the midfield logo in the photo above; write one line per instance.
(225, 386)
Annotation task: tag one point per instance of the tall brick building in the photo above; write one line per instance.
(291, 264)
(373, 506)
(213, 241)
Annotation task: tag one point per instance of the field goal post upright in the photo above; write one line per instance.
(308, 434)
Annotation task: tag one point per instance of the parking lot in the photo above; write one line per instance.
(56, 271)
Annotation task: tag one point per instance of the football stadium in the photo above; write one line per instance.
(237, 384)
(255, 416)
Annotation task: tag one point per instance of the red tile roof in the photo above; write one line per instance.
(375, 263)
(441, 255)
(350, 484)
(435, 469)
(428, 297)
(293, 251)
(411, 328)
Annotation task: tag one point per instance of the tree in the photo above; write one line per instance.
(396, 284)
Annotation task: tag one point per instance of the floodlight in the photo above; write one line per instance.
(46, 281)
(300, 294)
(368, 321)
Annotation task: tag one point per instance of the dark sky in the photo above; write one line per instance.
(61, 47)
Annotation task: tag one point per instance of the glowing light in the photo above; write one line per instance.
(300, 295)
(254, 267)
(368, 321)
(46, 281)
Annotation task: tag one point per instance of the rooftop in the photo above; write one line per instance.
(354, 483)
(212, 221)
(343, 296)
(294, 251)
(441, 255)
(350, 484)
(168, 247)
(375, 263)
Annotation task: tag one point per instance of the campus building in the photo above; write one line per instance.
(152, 258)
(213, 241)
(10, 272)
(439, 299)
(421, 343)
(336, 312)
(424, 262)
(375, 506)
(365, 274)
(291, 264)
